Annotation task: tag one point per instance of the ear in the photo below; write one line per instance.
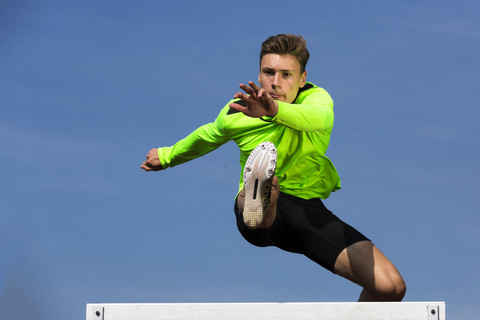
(303, 79)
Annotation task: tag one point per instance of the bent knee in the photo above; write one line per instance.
(392, 290)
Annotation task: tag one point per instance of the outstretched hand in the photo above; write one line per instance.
(259, 102)
(153, 162)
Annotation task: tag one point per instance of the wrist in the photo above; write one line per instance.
(274, 110)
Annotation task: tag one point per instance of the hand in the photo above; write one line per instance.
(259, 102)
(153, 162)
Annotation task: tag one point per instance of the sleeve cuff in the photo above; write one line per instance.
(267, 119)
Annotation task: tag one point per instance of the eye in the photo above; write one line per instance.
(268, 72)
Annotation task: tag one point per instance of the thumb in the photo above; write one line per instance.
(145, 166)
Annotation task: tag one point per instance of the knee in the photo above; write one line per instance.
(391, 289)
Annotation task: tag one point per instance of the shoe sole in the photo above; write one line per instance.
(258, 175)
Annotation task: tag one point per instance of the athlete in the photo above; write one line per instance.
(282, 127)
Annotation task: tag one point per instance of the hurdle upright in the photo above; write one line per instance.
(269, 311)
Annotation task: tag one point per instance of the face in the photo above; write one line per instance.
(280, 76)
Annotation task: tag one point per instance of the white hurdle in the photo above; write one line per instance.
(269, 311)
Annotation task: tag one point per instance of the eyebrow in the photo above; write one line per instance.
(282, 70)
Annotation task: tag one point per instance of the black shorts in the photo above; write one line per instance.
(306, 227)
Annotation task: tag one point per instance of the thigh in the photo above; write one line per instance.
(316, 232)
(364, 264)
(306, 227)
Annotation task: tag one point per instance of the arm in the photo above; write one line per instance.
(312, 110)
(200, 142)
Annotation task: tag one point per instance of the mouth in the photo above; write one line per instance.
(276, 96)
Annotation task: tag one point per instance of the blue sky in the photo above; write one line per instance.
(88, 87)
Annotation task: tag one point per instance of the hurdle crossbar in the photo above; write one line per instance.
(269, 311)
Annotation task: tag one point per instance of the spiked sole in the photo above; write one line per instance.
(257, 178)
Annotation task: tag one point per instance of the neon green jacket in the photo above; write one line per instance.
(300, 131)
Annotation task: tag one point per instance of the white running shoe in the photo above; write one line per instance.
(257, 182)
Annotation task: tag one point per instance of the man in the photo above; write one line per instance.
(283, 128)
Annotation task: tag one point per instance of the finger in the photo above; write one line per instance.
(246, 111)
(153, 151)
(145, 167)
(247, 89)
(254, 86)
(149, 154)
(265, 96)
(262, 93)
(237, 107)
(240, 95)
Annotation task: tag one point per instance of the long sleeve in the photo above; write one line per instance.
(200, 142)
(311, 112)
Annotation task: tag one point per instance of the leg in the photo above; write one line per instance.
(364, 264)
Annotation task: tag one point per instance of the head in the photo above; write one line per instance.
(283, 59)
(284, 44)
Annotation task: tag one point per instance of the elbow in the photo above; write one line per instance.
(324, 126)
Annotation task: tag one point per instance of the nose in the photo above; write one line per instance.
(276, 80)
